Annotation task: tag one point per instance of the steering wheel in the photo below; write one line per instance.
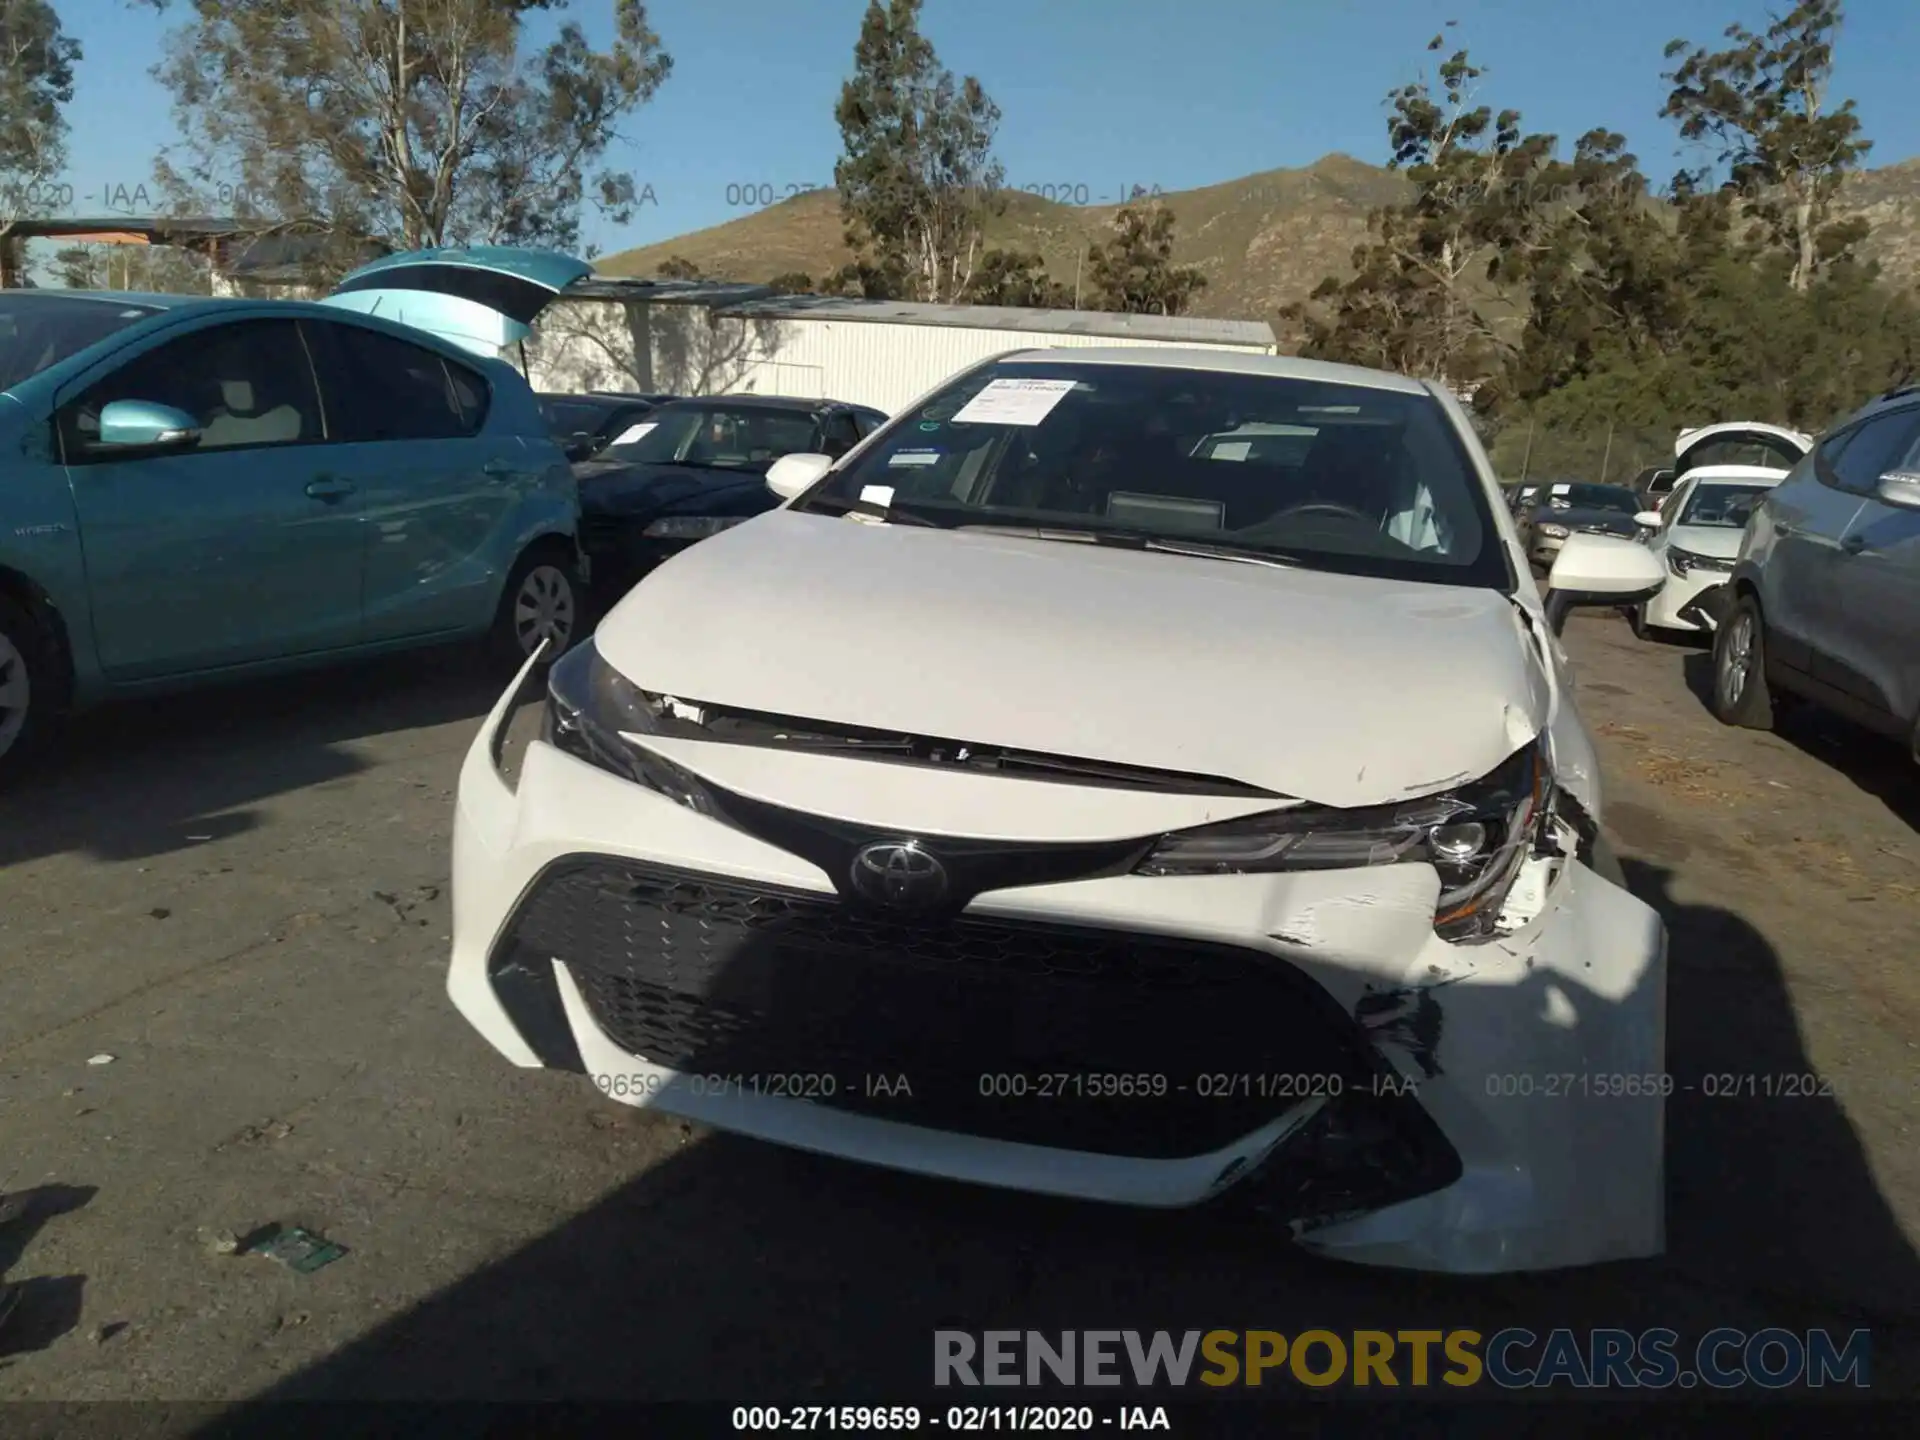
(1324, 507)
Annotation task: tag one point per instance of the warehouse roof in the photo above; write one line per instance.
(1102, 323)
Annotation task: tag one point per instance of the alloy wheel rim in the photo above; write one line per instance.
(543, 610)
(16, 692)
(1737, 659)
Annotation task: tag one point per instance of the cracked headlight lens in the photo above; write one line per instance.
(592, 707)
(1475, 837)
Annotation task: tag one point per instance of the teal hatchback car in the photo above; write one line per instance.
(197, 489)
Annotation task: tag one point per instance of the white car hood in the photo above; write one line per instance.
(1330, 688)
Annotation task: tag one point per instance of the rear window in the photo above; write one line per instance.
(1333, 476)
(1593, 497)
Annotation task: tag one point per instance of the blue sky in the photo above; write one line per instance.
(1095, 94)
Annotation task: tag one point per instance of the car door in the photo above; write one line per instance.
(436, 488)
(1806, 518)
(1876, 657)
(246, 547)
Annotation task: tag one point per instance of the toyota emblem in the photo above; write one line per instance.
(899, 875)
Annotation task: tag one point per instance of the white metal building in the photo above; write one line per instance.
(713, 339)
(884, 353)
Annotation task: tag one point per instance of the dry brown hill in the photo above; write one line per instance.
(1261, 240)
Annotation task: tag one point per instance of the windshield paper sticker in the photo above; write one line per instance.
(881, 495)
(634, 432)
(914, 457)
(1013, 402)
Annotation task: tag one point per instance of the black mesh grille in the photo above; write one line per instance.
(713, 976)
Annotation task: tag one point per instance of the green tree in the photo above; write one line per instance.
(1428, 284)
(1134, 271)
(1016, 277)
(35, 84)
(678, 267)
(918, 180)
(1783, 144)
(792, 282)
(419, 121)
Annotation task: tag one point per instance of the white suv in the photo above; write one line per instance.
(1044, 798)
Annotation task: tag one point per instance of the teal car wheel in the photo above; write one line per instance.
(25, 688)
(542, 605)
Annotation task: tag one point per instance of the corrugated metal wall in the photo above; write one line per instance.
(691, 350)
(884, 365)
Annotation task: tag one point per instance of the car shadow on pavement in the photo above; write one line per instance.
(737, 1271)
(37, 1311)
(1876, 765)
(1769, 1189)
(149, 776)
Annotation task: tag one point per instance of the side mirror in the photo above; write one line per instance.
(1648, 518)
(579, 446)
(144, 425)
(795, 474)
(1600, 570)
(1900, 489)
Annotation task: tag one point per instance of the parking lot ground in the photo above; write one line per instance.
(241, 899)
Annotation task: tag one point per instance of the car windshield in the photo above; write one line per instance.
(1302, 471)
(1594, 497)
(718, 436)
(572, 417)
(37, 332)
(1722, 506)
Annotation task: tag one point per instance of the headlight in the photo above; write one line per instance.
(691, 527)
(1557, 532)
(590, 705)
(1681, 561)
(1476, 838)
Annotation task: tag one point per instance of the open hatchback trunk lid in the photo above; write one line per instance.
(482, 299)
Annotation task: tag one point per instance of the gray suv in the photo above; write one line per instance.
(1824, 601)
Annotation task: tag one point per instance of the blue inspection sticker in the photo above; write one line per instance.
(929, 425)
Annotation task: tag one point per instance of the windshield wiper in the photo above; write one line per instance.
(891, 514)
(1144, 540)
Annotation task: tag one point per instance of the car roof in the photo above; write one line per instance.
(154, 302)
(790, 403)
(1226, 362)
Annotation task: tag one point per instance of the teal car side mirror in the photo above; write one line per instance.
(145, 425)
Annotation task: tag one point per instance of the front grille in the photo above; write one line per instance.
(786, 990)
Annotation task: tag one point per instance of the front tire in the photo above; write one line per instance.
(1741, 695)
(543, 600)
(28, 666)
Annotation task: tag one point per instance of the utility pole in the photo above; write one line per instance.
(1526, 459)
(1079, 258)
(1607, 455)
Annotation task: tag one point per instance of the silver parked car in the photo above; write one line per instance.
(1824, 601)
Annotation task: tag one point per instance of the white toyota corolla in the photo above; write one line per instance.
(1142, 775)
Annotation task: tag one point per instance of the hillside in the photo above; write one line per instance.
(1262, 240)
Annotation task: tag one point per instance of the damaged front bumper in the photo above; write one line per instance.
(1707, 609)
(1301, 1041)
